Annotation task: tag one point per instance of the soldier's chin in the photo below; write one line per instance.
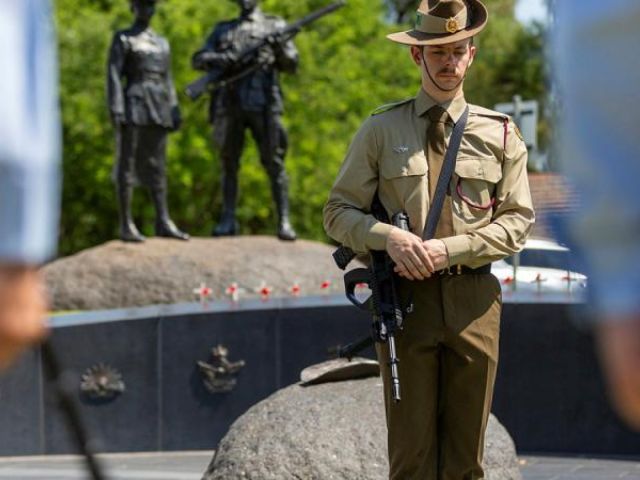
(448, 79)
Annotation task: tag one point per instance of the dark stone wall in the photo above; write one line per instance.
(549, 391)
(21, 399)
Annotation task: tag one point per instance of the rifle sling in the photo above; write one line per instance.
(448, 167)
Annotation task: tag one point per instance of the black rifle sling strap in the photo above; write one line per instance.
(448, 167)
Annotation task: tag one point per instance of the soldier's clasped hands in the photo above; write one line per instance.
(415, 258)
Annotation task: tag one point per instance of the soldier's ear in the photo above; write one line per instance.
(416, 55)
(472, 52)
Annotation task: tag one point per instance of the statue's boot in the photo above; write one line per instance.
(281, 196)
(228, 226)
(164, 225)
(285, 230)
(128, 230)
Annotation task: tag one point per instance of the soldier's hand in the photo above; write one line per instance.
(438, 254)
(266, 56)
(275, 42)
(23, 309)
(227, 59)
(408, 253)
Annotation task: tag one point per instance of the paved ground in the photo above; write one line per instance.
(131, 466)
(190, 465)
(559, 468)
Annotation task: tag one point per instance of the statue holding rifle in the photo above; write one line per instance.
(243, 58)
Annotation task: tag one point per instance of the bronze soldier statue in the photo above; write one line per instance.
(254, 102)
(144, 107)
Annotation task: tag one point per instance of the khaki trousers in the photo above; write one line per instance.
(448, 355)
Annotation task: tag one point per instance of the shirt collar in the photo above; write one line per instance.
(455, 108)
(255, 15)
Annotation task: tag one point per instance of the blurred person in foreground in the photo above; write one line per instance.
(595, 50)
(29, 176)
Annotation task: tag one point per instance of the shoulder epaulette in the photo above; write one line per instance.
(485, 112)
(391, 106)
(503, 118)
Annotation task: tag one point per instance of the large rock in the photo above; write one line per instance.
(117, 274)
(332, 431)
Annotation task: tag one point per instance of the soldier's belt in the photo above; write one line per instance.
(464, 270)
(155, 76)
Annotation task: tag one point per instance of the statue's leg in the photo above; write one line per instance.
(125, 178)
(271, 137)
(229, 135)
(152, 172)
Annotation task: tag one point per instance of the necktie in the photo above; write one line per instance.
(436, 149)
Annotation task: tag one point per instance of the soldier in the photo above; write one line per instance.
(448, 349)
(143, 111)
(253, 102)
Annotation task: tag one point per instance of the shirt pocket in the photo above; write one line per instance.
(474, 185)
(401, 166)
(404, 180)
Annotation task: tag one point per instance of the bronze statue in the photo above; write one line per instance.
(254, 102)
(144, 107)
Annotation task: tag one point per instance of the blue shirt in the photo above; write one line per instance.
(596, 46)
(29, 132)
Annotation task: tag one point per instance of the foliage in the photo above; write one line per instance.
(347, 69)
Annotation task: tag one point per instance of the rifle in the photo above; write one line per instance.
(219, 77)
(384, 303)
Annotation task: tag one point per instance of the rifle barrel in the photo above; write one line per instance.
(393, 363)
(313, 16)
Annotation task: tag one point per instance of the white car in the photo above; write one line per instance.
(543, 254)
(543, 266)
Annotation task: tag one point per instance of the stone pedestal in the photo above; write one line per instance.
(329, 431)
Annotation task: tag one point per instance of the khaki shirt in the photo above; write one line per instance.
(388, 155)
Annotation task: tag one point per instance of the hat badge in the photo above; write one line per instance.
(452, 25)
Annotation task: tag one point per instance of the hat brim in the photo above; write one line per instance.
(416, 37)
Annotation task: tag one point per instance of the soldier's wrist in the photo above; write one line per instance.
(458, 248)
(378, 235)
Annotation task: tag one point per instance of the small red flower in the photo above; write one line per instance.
(203, 292)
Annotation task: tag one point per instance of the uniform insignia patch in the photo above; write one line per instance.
(452, 25)
(401, 149)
